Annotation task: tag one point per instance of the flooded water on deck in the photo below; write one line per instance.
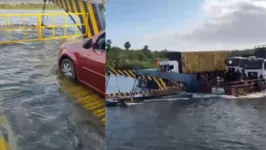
(37, 114)
(186, 123)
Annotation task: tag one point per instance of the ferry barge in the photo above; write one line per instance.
(212, 72)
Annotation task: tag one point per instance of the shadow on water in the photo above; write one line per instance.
(183, 122)
(42, 116)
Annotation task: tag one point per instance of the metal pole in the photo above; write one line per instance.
(133, 90)
(108, 78)
(143, 95)
(74, 21)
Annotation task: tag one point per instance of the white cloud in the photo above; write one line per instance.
(229, 24)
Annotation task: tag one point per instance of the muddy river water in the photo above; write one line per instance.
(35, 112)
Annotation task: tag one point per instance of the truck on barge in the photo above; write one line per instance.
(212, 72)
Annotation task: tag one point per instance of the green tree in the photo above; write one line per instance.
(142, 57)
(127, 45)
(131, 56)
(129, 59)
(109, 42)
(147, 52)
(108, 45)
(146, 48)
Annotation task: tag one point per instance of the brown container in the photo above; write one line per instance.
(219, 60)
(189, 61)
(194, 62)
(206, 62)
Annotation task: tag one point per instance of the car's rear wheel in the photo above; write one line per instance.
(67, 69)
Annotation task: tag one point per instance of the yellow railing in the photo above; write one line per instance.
(23, 27)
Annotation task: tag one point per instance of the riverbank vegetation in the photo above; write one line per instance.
(28, 6)
(126, 58)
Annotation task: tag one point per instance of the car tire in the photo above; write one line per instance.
(67, 69)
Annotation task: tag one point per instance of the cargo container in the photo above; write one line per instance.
(197, 62)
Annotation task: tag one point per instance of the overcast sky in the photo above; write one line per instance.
(187, 24)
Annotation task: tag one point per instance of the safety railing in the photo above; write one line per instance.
(34, 27)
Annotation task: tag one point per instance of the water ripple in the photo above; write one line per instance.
(192, 123)
(40, 115)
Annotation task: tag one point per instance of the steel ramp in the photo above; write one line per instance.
(87, 98)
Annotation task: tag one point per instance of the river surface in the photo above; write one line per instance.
(37, 114)
(186, 123)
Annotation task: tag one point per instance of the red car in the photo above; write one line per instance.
(85, 62)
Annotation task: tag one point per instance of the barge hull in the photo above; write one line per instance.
(189, 80)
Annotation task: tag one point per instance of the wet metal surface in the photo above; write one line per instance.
(86, 98)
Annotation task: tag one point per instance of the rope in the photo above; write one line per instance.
(45, 18)
(43, 10)
(49, 4)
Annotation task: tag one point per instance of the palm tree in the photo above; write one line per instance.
(127, 45)
(146, 48)
(108, 45)
(147, 52)
(108, 42)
